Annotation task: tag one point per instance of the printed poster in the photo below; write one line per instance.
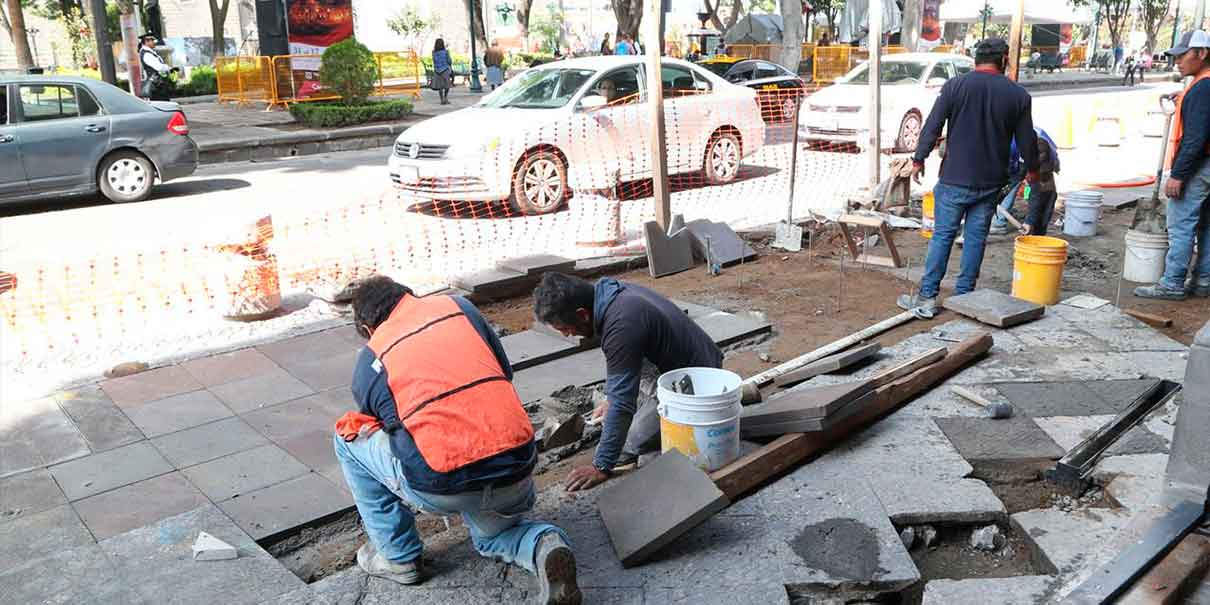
(312, 26)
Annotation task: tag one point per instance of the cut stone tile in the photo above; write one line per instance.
(17, 455)
(581, 369)
(45, 431)
(28, 493)
(313, 449)
(102, 472)
(901, 446)
(306, 348)
(1053, 399)
(151, 385)
(667, 255)
(138, 504)
(269, 388)
(915, 501)
(277, 508)
(530, 348)
(208, 441)
(1135, 339)
(693, 310)
(639, 516)
(236, 474)
(537, 264)
(229, 367)
(208, 548)
(80, 575)
(829, 364)
(316, 412)
(326, 373)
(985, 439)
(1119, 394)
(102, 424)
(41, 535)
(994, 308)
(727, 329)
(177, 413)
(803, 403)
(750, 430)
(1018, 590)
(727, 247)
(1071, 541)
(1070, 431)
(160, 557)
(489, 281)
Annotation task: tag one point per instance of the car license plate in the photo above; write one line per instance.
(409, 174)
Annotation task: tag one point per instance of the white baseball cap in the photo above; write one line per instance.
(1193, 39)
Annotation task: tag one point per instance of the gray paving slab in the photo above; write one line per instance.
(151, 385)
(1057, 336)
(40, 535)
(829, 364)
(177, 412)
(725, 244)
(1132, 481)
(47, 435)
(208, 441)
(158, 560)
(488, 281)
(305, 348)
(581, 369)
(1008, 439)
(537, 264)
(102, 424)
(641, 520)
(313, 449)
(667, 255)
(138, 504)
(269, 388)
(1134, 339)
(902, 446)
(293, 418)
(1119, 394)
(83, 574)
(28, 493)
(915, 501)
(727, 328)
(1053, 399)
(530, 348)
(747, 594)
(994, 308)
(104, 471)
(236, 474)
(323, 373)
(222, 368)
(301, 596)
(804, 403)
(270, 511)
(17, 455)
(1071, 541)
(693, 310)
(1019, 590)
(1070, 431)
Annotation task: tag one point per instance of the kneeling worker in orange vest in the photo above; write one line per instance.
(441, 429)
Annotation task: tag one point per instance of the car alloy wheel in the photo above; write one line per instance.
(540, 183)
(909, 132)
(127, 177)
(723, 158)
(787, 108)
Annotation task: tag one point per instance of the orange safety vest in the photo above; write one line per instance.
(1178, 130)
(450, 391)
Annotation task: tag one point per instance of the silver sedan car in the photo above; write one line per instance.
(65, 136)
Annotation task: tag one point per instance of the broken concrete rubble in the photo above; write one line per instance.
(987, 538)
(209, 548)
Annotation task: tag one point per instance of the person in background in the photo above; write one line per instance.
(1048, 164)
(1119, 55)
(1188, 185)
(493, 60)
(443, 71)
(983, 110)
(824, 40)
(440, 428)
(623, 46)
(606, 47)
(155, 72)
(721, 49)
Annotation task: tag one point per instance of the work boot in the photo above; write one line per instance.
(1159, 291)
(923, 308)
(373, 563)
(1199, 287)
(556, 567)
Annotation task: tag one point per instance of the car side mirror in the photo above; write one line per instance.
(591, 102)
(935, 82)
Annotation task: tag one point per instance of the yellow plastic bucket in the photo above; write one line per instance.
(927, 219)
(1038, 268)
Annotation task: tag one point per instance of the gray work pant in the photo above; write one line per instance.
(644, 434)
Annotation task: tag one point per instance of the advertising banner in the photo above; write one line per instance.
(311, 27)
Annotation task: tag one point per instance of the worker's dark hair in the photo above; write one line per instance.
(373, 300)
(558, 296)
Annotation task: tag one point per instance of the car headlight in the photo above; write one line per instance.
(471, 148)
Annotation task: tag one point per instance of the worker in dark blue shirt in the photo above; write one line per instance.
(1188, 185)
(983, 111)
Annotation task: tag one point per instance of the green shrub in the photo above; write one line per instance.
(203, 80)
(348, 69)
(334, 115)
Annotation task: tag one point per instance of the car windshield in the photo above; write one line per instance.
(717, 68)
(892, 72)
(539, 89)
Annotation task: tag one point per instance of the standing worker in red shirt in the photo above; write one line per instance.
(984, 110)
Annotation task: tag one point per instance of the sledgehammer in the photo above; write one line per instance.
(994, 410)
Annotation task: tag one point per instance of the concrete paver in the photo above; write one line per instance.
(994, 308)
(102, 472)
(324, 373)
(1071, 541)
(28, 493)
(138, 504)
(1019, 590)
(80, 575)
(148, 386)
(103, 425)
(272, 387)
(536, 264)
(293, 418)
(208, 441)
(269, 511)
(17, 455)
(1054, 399)
(45, 433)
(41, 535)
(305, 348)
(531, 347)
(229, 367)
(314, 449)
(1008, 439)
(236, 474)
(177, 412)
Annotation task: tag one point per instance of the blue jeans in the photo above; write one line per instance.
(383, 497)
(954, 203)
(1007, 202)
(1189, 220)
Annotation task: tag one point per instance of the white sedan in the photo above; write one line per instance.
(583, 125)
(910, 85)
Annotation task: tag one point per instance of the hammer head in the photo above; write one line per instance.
(1000, 410)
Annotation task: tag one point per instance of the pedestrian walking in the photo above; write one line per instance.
(982, 111)
(443, 71)
(1188, 184)
(606, 47)
(493, 60)
(624, 46)
(440, 428)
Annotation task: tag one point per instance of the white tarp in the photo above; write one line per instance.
(1036, 11)
(854, 21)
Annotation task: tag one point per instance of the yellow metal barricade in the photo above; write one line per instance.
(296, 80)
(244, 79)
(944, 48)
(399, 72)
(741, 50)
(1078, 55)
(830, 62)
(894, 49)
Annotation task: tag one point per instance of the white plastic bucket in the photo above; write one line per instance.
(703, 426)
(1145, 254)
(1083, 209)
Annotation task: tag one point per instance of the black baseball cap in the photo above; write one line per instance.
(992, 46)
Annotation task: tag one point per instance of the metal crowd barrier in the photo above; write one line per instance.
(284, 79)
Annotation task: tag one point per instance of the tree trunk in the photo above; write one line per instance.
(792, 34)
(629, 14)
(480, 34)
(218, 21)
(912, 15)
(713, 10)
(524, 7)
(737, 11)
(25, 59)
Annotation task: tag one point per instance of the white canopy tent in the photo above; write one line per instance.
(854, 21)
(1036, 11)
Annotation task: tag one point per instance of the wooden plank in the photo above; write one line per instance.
(848, 240)
(1174, 576)
(909, 366)
(752, 470)
(885, 231)
(862, 220)
(1157, 321)
(878, 261)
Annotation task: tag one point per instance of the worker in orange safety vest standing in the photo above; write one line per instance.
(440, 428)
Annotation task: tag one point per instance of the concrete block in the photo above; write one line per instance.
(102, 424)
(28, 493)
(994, 308)
(915, 500)
(177, 412)
(727, 328)
(829, 364)
(531, 347)
(1009, 439)
(39, 535)
(102, 472)
(208, 548)
(537, 264)
(657, 504)
(1018, 590)
(805, 403)
(666, 254)
(207, 442)
(727, 247)
(581, 369)
(1119, 394)
(276, 509)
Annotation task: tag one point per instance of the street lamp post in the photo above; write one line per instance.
(476, 86)
(986, 10)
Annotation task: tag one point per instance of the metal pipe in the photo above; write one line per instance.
(875, 71)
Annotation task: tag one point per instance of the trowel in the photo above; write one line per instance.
(788, 235)
(1149, 215)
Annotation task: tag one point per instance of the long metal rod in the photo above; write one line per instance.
(794, 160)
(875, 78)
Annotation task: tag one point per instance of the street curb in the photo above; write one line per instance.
(1087, 83)
(291, 144)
